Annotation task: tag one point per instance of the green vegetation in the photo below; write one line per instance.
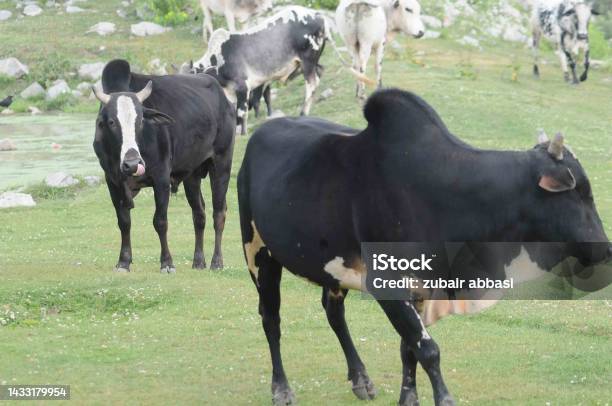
(195, 337)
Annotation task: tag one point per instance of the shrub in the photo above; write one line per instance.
(170, 12)
(49, 68)
(598, 44)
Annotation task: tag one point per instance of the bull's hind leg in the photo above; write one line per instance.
(194, 197)
(408, 393)
(219, 181)
(408, 324)
(333, 303)
(380, 53)
(535, 48)
(161, 192)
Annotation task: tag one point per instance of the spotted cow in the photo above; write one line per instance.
(311, 191)
(565, 23)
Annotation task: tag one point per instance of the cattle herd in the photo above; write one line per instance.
(311, 191)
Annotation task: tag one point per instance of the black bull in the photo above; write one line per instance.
(311, 191)
(181, 130)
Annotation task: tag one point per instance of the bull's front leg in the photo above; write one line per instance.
(122, 209)
(568, 60)
(587, 64)
(242, 107)
(161, 191)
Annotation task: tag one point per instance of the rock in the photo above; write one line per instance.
(102, 28)
(515, 34)
(14, 199)
(327, 93)
(7, 112)
(121, 13)
(74, 9)
(34, 110)
(7, 144)
(84, 88)
(125, 3)
(13, 68)
(77, 94)
(34, 90)
(431, 21)
(146, 28)
(60, 179)
(32, 10)
(468, 40)
(431, 34)
(59, 87)
(276, 114)
(92, 71)
(92, 180)
(5, 15)
(157, 68)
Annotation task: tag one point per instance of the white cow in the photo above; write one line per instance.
(233, 10)
(366, 24)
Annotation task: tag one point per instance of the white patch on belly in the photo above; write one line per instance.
(349, 278)
(251, 249)
(126, 114)
(523, 268)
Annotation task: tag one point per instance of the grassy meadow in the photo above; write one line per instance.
(196, 338)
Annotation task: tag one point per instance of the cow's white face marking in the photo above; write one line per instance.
(424, 334)
(583, 14)
(251, 249)
(349, 278)
(126, 114)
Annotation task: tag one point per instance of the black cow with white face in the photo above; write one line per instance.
(565, 23)
(310, 192)
(159, 131)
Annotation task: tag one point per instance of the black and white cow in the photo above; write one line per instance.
(311, 191)
(290, 40)
(566, 24)
(160, 131)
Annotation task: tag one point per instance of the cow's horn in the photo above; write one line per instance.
(556, 147)
(542, 137)
(100, 95)
(146, 92)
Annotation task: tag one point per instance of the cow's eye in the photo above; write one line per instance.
(408, 10)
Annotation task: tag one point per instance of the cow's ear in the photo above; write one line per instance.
(560, 181)
(157, 117)
(396, 4)
(595, 12)
(569, 12)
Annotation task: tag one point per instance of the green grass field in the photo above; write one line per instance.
(195, 337)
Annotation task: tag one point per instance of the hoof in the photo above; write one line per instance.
(167, 269)
(283, 397)
(409, 399)
(121, 269)
(446, 401)
(198, 265)
(216, 263)
(364, 388)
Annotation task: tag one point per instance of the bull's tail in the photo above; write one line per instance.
(329, 24)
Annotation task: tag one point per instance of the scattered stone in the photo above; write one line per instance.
(13, 68)
(515, 34)
(431, 21)
(74, 9)
(276, 114)
(430, 34)
(92, 180)
(92, 71)
(125, 3)
(34, 90)
(7, 144)
(5, 15)
(77, 94)
(469, 40)
(14, 199)
(121, 13)
(34, 110)
(55, 146)
(32, 10)
(102, 28)
(7, 112)
(156, 67)
(396, 45)
(60, 179)
(146, 28)
(327, 93)
(84, 88)
(59, 87)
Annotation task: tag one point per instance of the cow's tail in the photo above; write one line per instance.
(331, 26)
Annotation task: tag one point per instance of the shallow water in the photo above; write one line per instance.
(35, 157)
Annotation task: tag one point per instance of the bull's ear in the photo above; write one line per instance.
(595, 12)
(396, 4)
(560, 181)
(157, 117)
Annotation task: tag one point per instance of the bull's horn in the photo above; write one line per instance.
(556, 147)
(100, 95)
(145, 93)
(542, 137)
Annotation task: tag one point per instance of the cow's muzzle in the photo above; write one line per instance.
(132, 164)
(419, 34)
(583, 37)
